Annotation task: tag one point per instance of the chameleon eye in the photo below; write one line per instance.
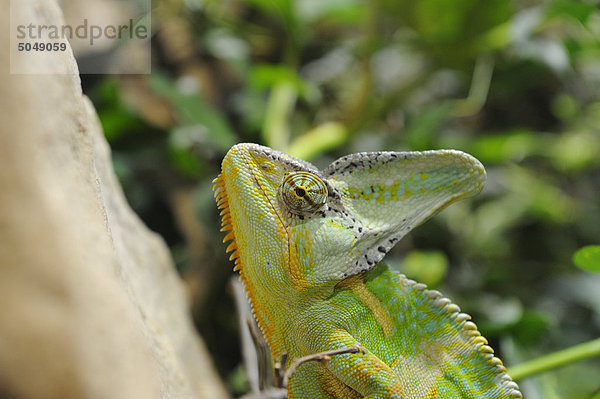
(303, 193)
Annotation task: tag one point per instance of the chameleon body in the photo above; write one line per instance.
(308, 245)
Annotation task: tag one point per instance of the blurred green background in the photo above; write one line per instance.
(515, 83)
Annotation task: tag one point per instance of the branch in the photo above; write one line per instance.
(557, 359)
(321, 356)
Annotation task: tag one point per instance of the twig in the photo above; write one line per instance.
(557, 359)
(278, 368)
(247, 340)
(263, 355)
(321, 356)
(480, 86)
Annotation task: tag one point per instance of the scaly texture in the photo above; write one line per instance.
(308, 245)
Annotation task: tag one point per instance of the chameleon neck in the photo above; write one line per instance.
(275, 300)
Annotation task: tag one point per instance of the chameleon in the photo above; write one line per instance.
(308, 245)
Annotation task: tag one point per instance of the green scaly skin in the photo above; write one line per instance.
(308, 245)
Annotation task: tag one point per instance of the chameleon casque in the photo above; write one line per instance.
(308, 245)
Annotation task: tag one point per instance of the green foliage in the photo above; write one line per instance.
(318, 140)
(515, 83)
(192, 111)
(116, 119)
(588, 258)
(427, 267)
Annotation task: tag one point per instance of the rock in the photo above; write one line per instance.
(90, 303)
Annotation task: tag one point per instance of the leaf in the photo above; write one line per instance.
(281, 103)
(266, 76)
(283, 10)
(350, 11)
(578, 10)
(575, 150)
(194, 110)
(512, 145)
(116, 118)
(428, 267)
(186, 143)
(422, 129)
(532, 327)
(318, 140)
(588, 258)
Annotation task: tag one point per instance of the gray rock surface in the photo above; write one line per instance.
(90, 303)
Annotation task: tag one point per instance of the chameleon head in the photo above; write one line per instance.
(295, 226)
(264, 194)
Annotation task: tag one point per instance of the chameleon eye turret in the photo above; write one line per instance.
(303, 193)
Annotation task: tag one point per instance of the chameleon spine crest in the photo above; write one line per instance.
(469, 328)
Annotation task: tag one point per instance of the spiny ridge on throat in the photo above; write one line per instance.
(220, 194)
(226, 224)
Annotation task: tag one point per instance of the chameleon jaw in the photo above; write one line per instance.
(227, 226)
